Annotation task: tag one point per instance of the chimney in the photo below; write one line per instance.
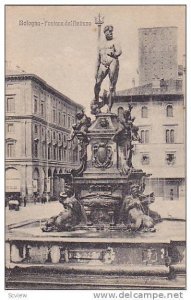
(156, 82)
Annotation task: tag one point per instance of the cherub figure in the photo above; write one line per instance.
(82, 125)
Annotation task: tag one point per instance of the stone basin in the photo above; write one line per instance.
(165, 231)
(112, 258)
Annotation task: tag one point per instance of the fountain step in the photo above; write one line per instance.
(42, 278)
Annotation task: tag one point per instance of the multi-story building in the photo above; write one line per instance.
(157, 54)
(38, 122)
(159, 111)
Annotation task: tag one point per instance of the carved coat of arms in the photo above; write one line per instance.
(102, 156)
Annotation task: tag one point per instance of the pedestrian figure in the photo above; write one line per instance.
(35, 198)
(43, 198)
(25, 201)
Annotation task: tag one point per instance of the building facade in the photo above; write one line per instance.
(159, 113)
(38, 123)
(157, 54)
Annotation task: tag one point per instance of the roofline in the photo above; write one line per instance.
(150, 94)
(44, 84)
(138, 98)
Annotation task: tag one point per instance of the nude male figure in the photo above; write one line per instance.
(107, 63)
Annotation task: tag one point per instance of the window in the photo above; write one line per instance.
(144, 136)
(10, 149)
(10, 104)
(54, 115)
(10, 128)
(54, 152)
(144, 112)
(169, 111)
(59, 136)
(42, 109)
(170, 158)
(35, 128)
(64, 154)
(170, 136)
(64, 120)
(60, 153)
(59, 117)
(54, 135)
(145, 159)
(43, 150)
(35, 105)
(49, 151)
(69, 122)
(36, 148)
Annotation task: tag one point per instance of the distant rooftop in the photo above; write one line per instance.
(157, 87)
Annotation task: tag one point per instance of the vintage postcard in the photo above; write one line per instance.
(95, 148)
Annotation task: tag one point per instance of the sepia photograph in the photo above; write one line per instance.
(95, 147)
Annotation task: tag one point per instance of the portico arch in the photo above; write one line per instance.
(13, 180)
(36, 181)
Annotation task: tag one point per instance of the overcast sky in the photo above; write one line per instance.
(65, 56)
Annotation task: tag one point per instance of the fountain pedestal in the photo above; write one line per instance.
(103, 185)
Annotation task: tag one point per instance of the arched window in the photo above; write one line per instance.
(36, 148)
(169, 110)
(170, 136)
(167, 136)
(144, 136)
(144, 112)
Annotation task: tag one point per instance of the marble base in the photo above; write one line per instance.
(82, 258)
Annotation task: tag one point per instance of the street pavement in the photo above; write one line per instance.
(32, 212)
(173, 209)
